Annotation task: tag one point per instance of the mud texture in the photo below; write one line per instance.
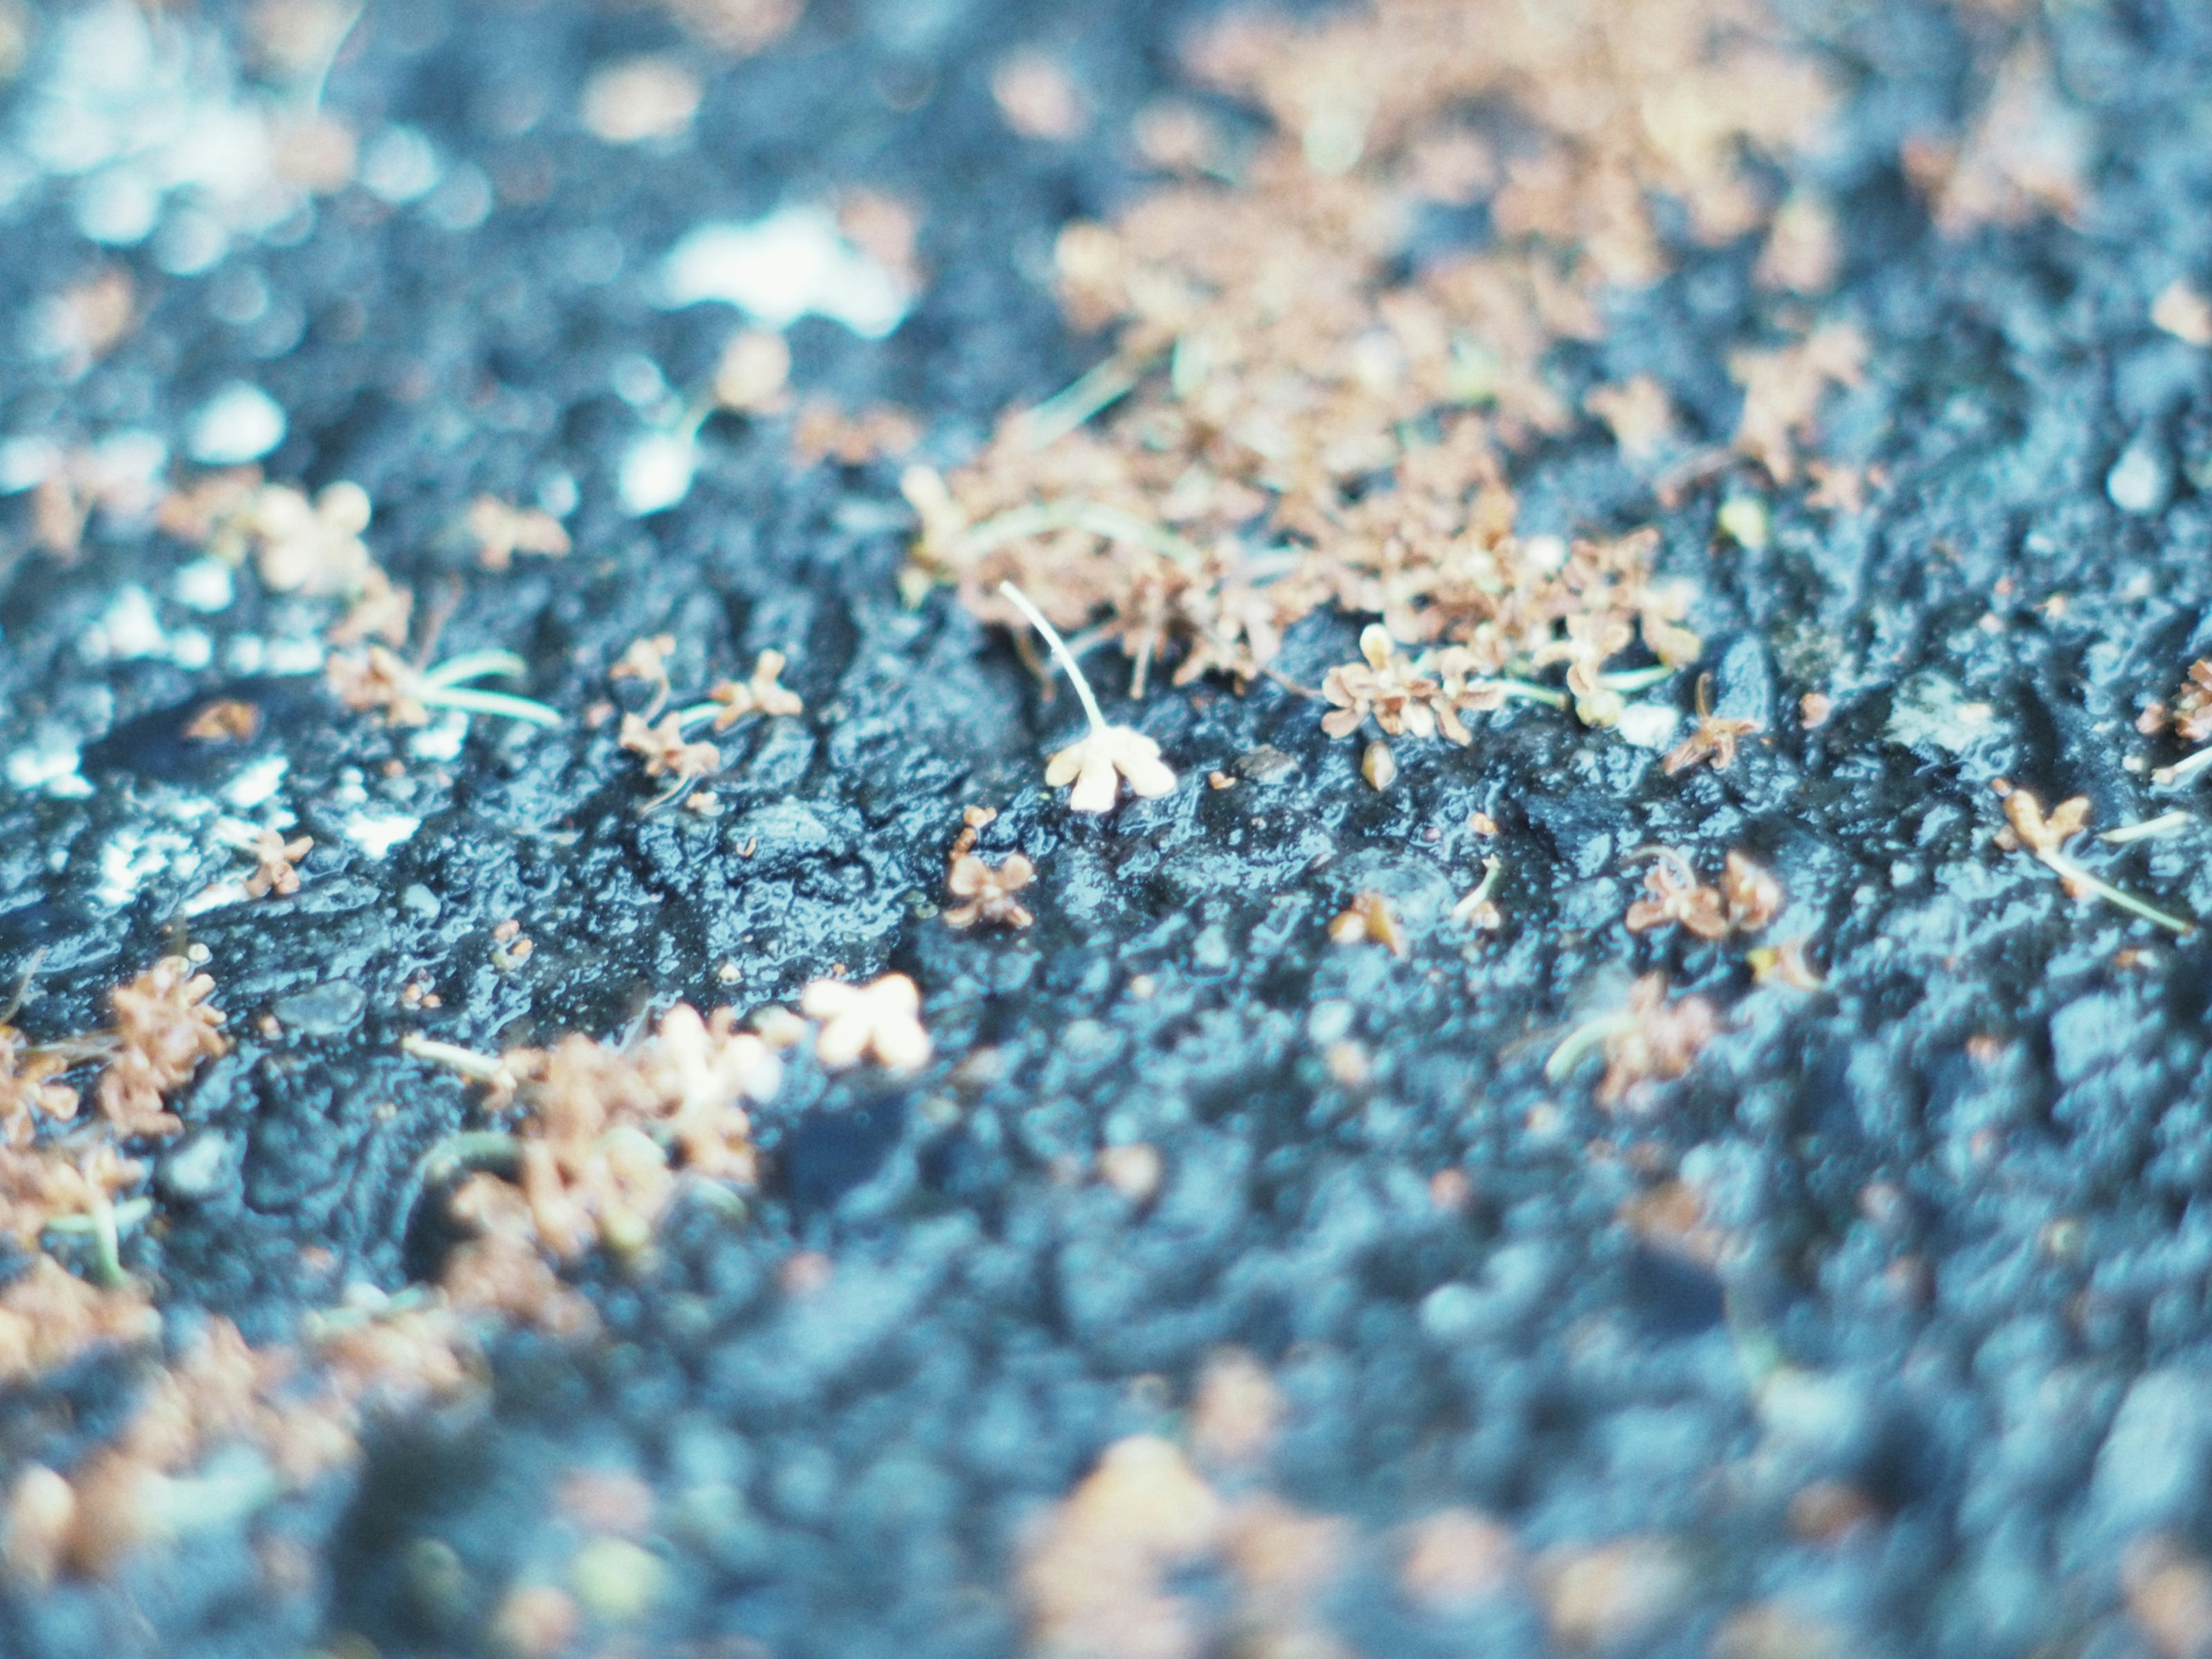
(1967, 1272)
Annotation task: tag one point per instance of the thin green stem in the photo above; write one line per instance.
(2067, 870)
(475, 665)
(2166, 823)
(472, 1149)
(1104, 385)
(1636, 679)
(1060, 651)
(1526, 690)
(1111, 523)
(478, 1068)
(1583, 1041)
(2185, 768)
(469, 700)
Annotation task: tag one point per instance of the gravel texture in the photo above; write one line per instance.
(1965, 1271)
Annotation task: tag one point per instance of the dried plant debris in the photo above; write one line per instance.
(1746, 899)
(2045, 838)
(1714, 739)
(607, 1131)
(1652, 1040)
(1213, 481)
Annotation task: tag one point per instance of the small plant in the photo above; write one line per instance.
(275, 861)
(1368, 920)
(1098, 763)
(2045, 838)
(881, 1018)
(380, 678)
(1713, 738)
(1649, 1040)
(1478, 909)
(1746, 900)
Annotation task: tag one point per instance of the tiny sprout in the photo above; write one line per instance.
(2045, 838)
(647, 659)
(881, 1018)
(1111, 753)
(1369, 921)
(274, 858)
(1714, 739)
(1650, 1039)
(1478, 910)
(987, 892)
(732, 700)
(667, 754)
(1378, 766)
(380, 678)
(1673, 894)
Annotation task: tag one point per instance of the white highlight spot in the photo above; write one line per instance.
(1648, 725)
(657, 471)
(240, 423)
(256, 784)
(399, 166)
(792, 264)
(205, 586)
(377, 833)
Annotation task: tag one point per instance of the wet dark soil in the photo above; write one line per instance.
(1962, 1182)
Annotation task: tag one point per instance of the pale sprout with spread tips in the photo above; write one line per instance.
(1098, 764)
(882, 1018)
